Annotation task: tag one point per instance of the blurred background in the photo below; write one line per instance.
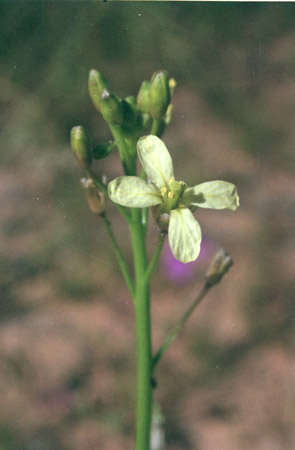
(67, 347)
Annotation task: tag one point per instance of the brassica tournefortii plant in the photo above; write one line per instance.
(150, 193)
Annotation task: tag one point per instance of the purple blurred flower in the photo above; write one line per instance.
(179, 272)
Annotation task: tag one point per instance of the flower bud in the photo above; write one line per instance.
(143, 97)
(111, 108)
(168, 115)
(96, 199)
(80, 144)
(159, 94)
(220, 264)
(172, 86)
(96, 86)
(103, 150)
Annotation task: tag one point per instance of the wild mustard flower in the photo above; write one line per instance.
(171, 197)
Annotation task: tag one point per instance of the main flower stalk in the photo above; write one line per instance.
(143, 333)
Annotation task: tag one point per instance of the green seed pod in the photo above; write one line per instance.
(143, 97)
(159, 94)
(96, 86)
(80, 144)
(111, 108)
(103, 150)
(96, 199)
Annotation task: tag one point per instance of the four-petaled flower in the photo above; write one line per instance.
(171, 197)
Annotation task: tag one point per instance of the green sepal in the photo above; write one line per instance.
(212, 194)
(80, 144)
(184, 235)
(96, 85)
(133, 192)
(103, 150)
(111, 108)
(159, 94)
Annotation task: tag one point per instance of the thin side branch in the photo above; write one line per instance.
(154, 261)
(180, 324)
(120, 257)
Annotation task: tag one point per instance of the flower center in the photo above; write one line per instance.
(172, 194)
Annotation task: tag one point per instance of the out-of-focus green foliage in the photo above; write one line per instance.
(48, 48)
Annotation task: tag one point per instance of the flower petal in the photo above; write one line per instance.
(155, 160)
(184, 235)
(212, 194)
(133, 192)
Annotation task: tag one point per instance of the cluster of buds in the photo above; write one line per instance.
(133, 116)
(152, 102)
(153, 99)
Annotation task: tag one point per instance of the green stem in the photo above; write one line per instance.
(145, 219)
(156, 126)
(143, 333)
(127, 161)
(154, 261)
(180, 324)
(119, 255)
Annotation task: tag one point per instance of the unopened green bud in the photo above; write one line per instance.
(220, 264)
(96, 85)
(143, 97)
(159, 94)
(80, 144)
(168, 116)
(172, 85)
(96, 199)
(103, 150)
(111, 108)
